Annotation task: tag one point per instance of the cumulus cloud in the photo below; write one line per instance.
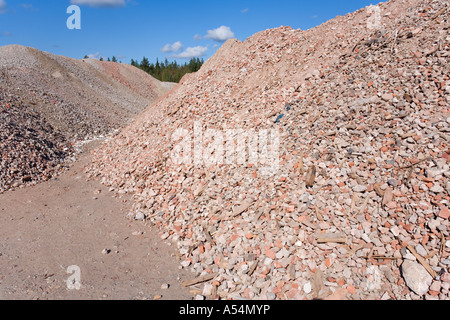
(99, 3)
(2, 6)
(94, 55)
(192, 52)
(220, 34)
(29, 7)
(177, 46)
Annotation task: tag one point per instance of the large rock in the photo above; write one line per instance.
(416, 277)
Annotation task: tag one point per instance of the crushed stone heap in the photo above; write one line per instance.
(50, 104)
(361, 195)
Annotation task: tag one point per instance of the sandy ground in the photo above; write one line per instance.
(69, 221)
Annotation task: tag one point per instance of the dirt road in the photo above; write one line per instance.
(70, 221)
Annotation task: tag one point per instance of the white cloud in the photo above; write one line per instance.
(192, 52)
(198, 37)
(99, 3)
(2, 6)
(177, 46)
(245, 10)
(94, 55)
(29, 6)
(220, 34)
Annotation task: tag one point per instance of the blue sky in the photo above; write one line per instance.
(156, 29)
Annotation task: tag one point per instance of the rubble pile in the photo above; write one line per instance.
(358, 205)
(31, 150)
(51, 104)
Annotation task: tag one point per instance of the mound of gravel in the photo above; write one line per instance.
(81, 98)
(50, 103)
(31, 149)
(362, 182)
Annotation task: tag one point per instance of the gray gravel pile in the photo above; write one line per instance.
(31, 149)
(82, 98)
(56, 103)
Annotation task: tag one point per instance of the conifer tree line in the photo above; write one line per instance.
(168, 71)
(113, 59)
(164, 71)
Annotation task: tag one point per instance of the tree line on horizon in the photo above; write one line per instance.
(163, 71)
(113, 59)
(168, 71)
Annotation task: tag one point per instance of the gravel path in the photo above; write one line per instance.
(71, 221)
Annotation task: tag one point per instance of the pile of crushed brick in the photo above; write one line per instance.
(358, 204)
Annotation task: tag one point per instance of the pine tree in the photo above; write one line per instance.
(114, 59)
(145, 65)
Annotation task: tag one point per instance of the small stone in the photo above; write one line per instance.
(360, 188)
(444, 213)
(165, 235)
(385, 296)
(366, 238)
(185, 263)
(435, 286)
(139, 216)
(387, 97)
(208, 290)
(433, 172)
(270, 296)
(395, 231)
(416, 277)
(106, 251)
(392, 182)
(421, 250)
(433, 224)
(436, 188)
(307, 288)
(407, 255)
(388, 196)
(268, 261)
(165, 286)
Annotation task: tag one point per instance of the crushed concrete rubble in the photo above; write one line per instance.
(362, 186)
(50, 105)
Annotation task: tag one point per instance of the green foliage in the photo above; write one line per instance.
(168, 71)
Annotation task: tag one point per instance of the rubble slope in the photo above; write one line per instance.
(362, 185)
(49, 104)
